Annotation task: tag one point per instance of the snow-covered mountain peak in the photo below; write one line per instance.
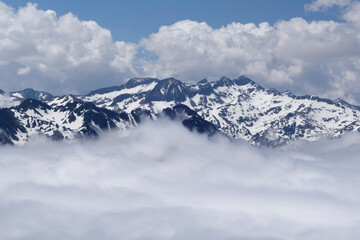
(32, 104)
(134, 82)
(31, 93)
(239, 108)
(169, 89)
(223, 82)
(243, 80)
(7, 100)
(63, 100)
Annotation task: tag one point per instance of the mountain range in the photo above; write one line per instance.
(238, 108)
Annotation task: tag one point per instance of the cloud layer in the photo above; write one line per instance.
(319, 5)
(159, 181)
(42, 50)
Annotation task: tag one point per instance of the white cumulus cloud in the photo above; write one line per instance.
(305, 57)
(64, 54)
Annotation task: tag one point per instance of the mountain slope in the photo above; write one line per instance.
(190, 119)
(31, 93)
(59, 118)
(10, 127)
(241, 108)
(238, 108)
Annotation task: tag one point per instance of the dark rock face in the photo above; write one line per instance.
(32, 104)
(205, 89)
(242, 80)
(121, 98)
(141, 114)
(9, 127)
(223, 82)
(190, 119)
(167, 90)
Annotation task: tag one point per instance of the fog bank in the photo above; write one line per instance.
(160, 181)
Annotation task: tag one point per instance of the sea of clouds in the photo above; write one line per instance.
(161, 181)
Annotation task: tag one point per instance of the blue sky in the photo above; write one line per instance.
(131, 20)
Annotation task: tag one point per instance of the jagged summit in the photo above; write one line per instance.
(238, 108)
(204, 81)
(346, 104)
(243, 80)
(63, 100)
(169, 89)
(33, 104)
(241, 108)
(223, 82)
